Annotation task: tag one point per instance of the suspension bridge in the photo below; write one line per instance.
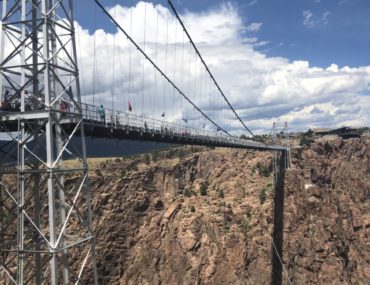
(161, 90)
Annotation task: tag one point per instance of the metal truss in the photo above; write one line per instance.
(46, 234)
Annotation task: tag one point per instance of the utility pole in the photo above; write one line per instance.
(46, 234)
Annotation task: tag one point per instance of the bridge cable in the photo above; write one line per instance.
(174, 77)
(166, 68)
(130, 67)
(156, 59)
(94, 67)
(208, 70)
(182, 73)
(189, 76)
(143, 78)
(280, 260)
(81, 70)
(108, 74)
(156, 66)
(123, 83)
(113, 63)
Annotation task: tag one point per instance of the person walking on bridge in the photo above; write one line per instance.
(101, 113)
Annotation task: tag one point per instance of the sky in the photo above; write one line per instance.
(305, 62)
(320, 31)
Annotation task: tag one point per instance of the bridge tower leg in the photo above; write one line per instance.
(46, 234)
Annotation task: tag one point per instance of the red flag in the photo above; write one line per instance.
(129, 106)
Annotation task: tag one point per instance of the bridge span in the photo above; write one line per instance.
(127, 125)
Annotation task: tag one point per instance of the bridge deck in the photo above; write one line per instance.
(122, 125)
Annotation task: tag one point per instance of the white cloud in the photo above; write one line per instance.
(253, 27)
(310, 20)
(325, 17)
(253, 2)
(307, 18)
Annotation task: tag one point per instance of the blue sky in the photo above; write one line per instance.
(320, 31)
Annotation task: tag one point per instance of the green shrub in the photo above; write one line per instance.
(170, 153)
(263, 195)
(133, 167)
(146, 158)
(123, 173)
(227, 221)
(192, 209)
(305, 141)
(181, 153)
(204, 187)
(187, 193)
(307, 138)
(246, 224)
(221, 194)
(155, 155)
(263, 169)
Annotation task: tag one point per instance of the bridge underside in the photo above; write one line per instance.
(94, 129)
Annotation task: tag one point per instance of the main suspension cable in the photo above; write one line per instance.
(156, 67)
(206, 67)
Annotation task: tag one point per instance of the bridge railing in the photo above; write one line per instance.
(132, 121)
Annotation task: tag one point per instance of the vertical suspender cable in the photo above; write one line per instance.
(189, 78)
(182, 72)
(94, 67)
(156, 59)
(144, 61)
(130, 64)
(113, 63)
(175, 68)
(80, 63)
(164, 97)
(195, 88)
(200, 88)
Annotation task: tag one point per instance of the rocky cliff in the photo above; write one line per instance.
(207, 217)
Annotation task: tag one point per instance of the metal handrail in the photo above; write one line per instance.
(129, 121)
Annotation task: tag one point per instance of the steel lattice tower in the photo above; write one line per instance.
(45, 205)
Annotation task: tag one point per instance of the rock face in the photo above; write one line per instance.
(326, 225)
(153, 226)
